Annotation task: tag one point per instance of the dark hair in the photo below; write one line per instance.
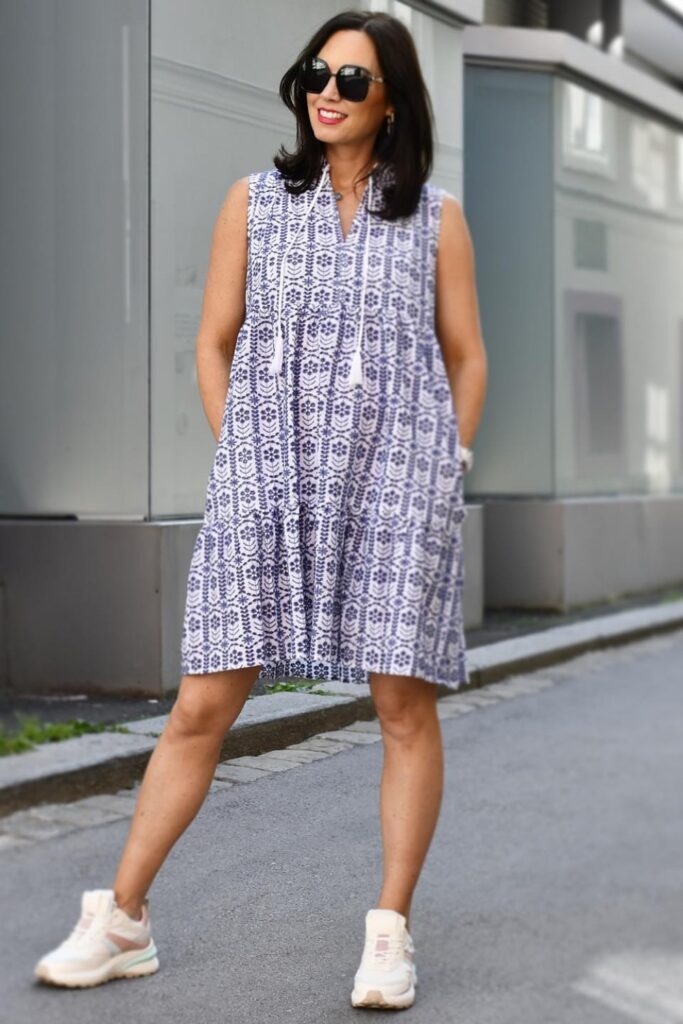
(406, 153)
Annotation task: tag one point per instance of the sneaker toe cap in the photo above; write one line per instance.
(62, 961)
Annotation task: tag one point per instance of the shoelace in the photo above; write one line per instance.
(87, 927)
(385, 950)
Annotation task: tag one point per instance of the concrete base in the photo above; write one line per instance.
(92, 607)
(97, 607)
(473, 544)
(563, 553)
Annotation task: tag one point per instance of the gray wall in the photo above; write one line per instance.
(73, 249)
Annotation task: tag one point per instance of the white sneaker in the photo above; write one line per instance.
(105, 943)
(386, 977)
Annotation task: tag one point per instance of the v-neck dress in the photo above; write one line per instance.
(331, 544)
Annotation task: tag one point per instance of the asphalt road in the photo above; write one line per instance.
(551, 894)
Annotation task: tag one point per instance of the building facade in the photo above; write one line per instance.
(128, 122)
(559, 126)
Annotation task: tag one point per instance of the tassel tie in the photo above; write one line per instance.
(356, 373)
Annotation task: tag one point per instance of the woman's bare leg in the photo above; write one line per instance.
(178, 776)
(412, 781)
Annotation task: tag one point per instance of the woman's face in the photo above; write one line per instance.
(363, 119)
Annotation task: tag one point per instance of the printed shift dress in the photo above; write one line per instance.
(331, 543)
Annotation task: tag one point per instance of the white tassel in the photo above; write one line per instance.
(356, 375)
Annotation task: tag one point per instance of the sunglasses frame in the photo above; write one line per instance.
(364, 74)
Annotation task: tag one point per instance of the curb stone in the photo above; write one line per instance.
(47, 821)
(39, 824)
(304, 725)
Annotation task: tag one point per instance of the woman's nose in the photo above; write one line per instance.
(330, 91)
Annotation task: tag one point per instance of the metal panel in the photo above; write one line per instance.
(508, 205)
(74, 250)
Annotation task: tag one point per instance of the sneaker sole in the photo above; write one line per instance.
(374, 997)
(123, 966)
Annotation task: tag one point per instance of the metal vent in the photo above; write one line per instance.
(590, 244)
(599, 392)
(524, 13)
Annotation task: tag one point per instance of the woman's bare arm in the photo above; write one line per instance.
(223, 305)
(457, 319)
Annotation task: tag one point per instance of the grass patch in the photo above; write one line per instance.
(32, 731)
(295, 686)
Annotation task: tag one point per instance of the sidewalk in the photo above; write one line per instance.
(497, 626)
(105, 762)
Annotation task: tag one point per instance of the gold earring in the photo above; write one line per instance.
(390, 122)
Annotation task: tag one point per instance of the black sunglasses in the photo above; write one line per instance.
(353, 81)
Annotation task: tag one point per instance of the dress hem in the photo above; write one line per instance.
(334, 672)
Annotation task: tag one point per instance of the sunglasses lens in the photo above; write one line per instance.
(352, 84)
(314, 75)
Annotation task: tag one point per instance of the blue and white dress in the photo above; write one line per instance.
(331, 544)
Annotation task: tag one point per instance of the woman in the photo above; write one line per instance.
(331, 543)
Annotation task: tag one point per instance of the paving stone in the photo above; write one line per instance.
(316, 752)
(103, 802)
(124, 802)
(218, 784)
(74, 814)
(456, 702)
(238, 773)
(261, 761)
(351, 736)
(501, 690)
(297, 756)
(8, 842)
(452, 711)
(530, 686)
(21, 823)
(477, 700)
(304, 747)
(331, 746)
(370, 725)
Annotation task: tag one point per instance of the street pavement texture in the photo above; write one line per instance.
(551, 893)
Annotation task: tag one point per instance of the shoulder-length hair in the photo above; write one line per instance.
(405, 154)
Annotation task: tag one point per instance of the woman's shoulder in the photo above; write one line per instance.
(434, 193)
(270, 178)
(437, 199)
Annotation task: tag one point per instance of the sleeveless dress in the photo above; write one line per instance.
(331, 543)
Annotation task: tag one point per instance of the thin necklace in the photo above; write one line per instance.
(340, 195)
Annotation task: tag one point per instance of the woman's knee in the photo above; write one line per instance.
(403, 708)
(205, 706)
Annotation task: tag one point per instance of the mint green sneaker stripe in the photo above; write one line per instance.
(147, 955)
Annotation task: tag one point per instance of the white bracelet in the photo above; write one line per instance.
(466, 457)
